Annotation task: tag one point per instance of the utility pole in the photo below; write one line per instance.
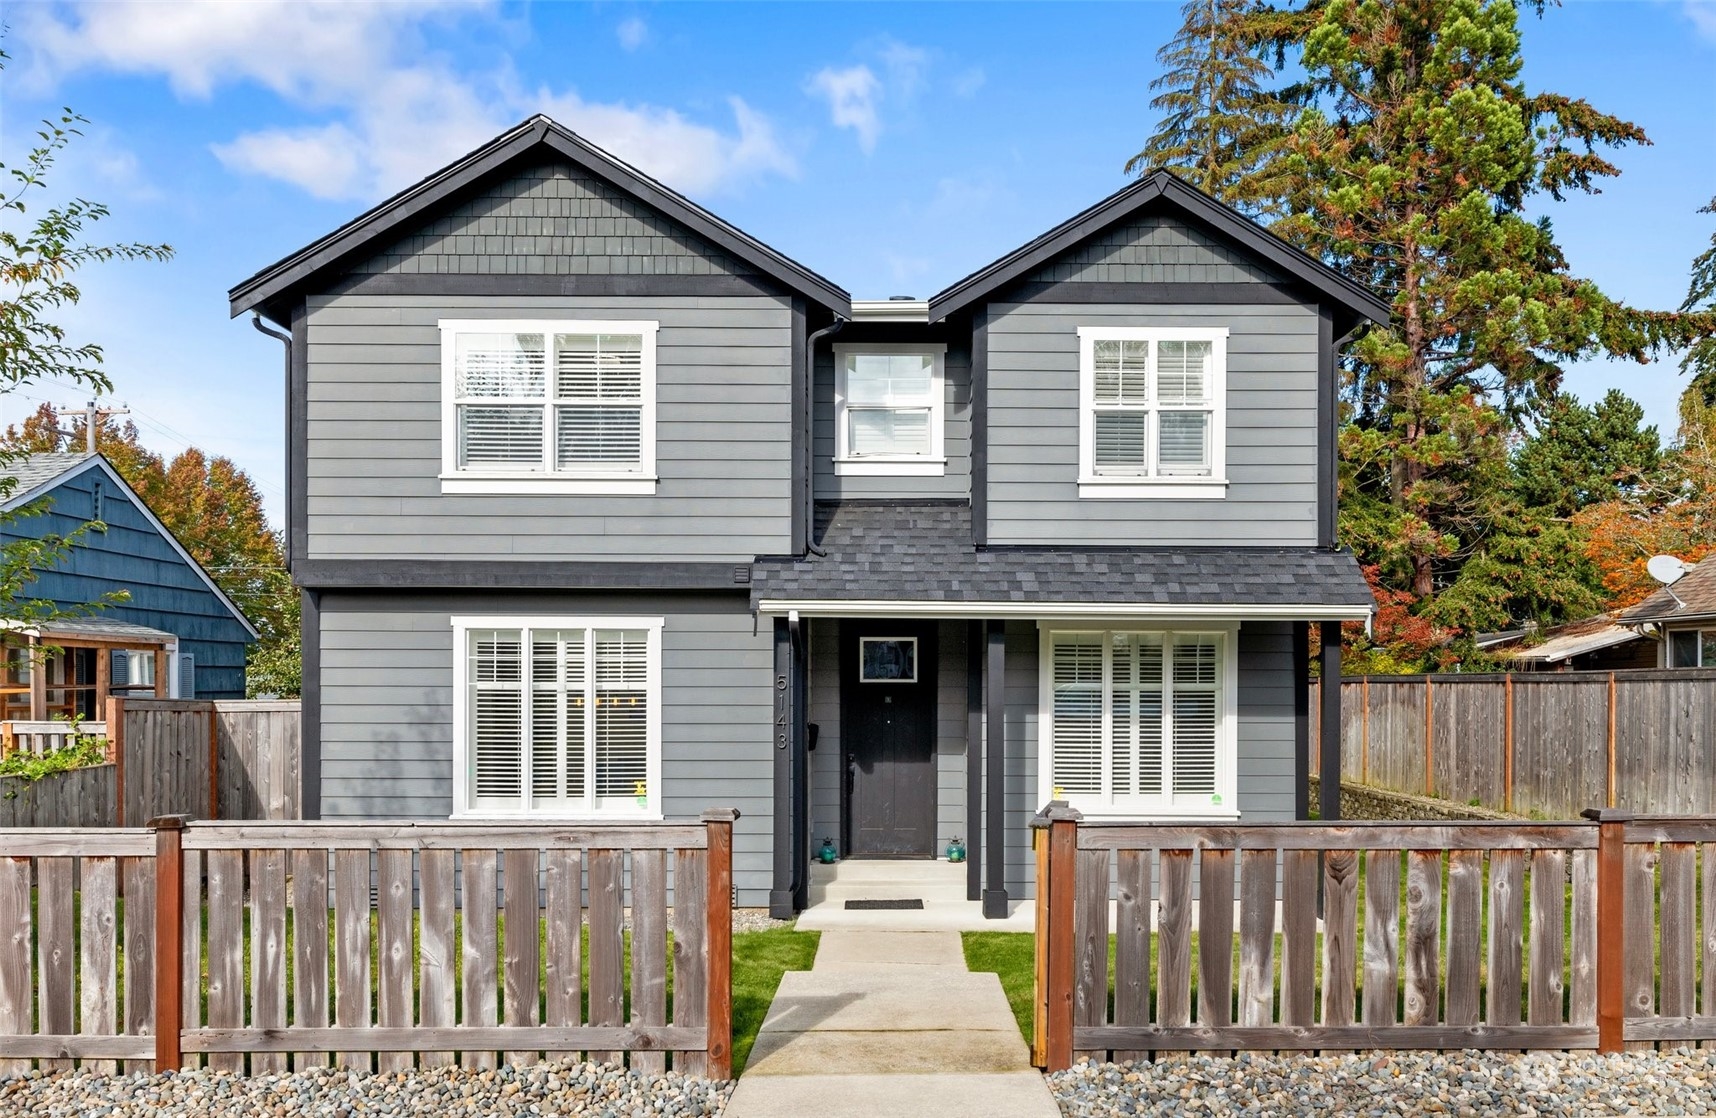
(92, 417)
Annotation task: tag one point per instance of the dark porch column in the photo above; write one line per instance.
(1329, 761)
(974, 761)
(1301, 720)
(800, 750)
(781, 891)
(995, 690)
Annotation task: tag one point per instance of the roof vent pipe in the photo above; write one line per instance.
(902, 298)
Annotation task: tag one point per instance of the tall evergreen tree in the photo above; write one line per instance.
(1700, 359)
(1221, 122)
(1580, 455)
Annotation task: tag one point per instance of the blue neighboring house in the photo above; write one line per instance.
(177, 635)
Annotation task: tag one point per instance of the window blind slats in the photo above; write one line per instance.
(1122, 442)
(877, 431)
(1185, 443)
(1182, 372)
(499, 365)
(492, 438)
(1077, 682)
(610, 437)
(598, 366)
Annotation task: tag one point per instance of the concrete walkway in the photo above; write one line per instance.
(890, 1023)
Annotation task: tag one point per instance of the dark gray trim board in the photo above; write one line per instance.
(974, 760)
(1301, 719)
(1122, 294)
(499, 574)
(980, 431)
(298, 439)
(781, 893)
(529, 142)
(419, 283)
(800, 468)
(1161, 189)
(1328, 393)
(995, 820)
(310, 704)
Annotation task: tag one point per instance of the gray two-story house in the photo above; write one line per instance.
(604, 509)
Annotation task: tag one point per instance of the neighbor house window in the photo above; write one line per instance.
(556, 406)
(1692, 648)
(558, 716)
(1139, 723)
(889, 403)
(1152, 412)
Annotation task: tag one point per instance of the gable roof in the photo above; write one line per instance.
(40, 473)
(1160, 189)
(1692, 597)
(1575, 638)
(526, 141)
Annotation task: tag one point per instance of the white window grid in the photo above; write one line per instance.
(1142, 396)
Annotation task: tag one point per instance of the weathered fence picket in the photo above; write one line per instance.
(1516, 935)
(206, 910)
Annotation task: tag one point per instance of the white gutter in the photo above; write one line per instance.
(1153, 611)
(890, 310)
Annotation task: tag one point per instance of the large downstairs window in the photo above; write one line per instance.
(548, 406)
(1152, 412)
(558, 716)
(1139, 723)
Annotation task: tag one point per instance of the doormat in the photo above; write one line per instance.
(914, 903)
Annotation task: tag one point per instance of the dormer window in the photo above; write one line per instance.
(548, 406)
(889, 402)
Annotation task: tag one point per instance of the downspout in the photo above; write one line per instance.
(808, 418)
(285, 340)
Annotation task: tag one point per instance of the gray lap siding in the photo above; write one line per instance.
(387, 677)
(1032, 429)
(374, 454)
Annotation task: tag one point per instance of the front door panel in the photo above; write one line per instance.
(887, 702)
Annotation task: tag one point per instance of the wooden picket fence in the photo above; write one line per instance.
(1550, 942)
(268, 947)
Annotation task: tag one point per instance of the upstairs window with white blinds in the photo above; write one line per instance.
(549, 400)
(1153, 403)
(889, 404)
(561, 717)
(1136, 722)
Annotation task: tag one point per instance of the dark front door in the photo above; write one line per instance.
(887, 731)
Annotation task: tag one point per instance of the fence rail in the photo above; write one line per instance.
(263, 947)
(1460, 935)
(1547, 744)
(18, 736)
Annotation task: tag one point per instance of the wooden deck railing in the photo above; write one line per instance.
(44, 737)
(1516, 935)
(467, 921)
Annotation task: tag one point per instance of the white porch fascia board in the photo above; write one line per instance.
(1083, 611)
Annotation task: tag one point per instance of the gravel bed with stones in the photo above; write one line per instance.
(1459, 1084)
(571, 1090)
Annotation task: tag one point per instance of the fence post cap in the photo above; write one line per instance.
(169, 822)
(720, 815)
(1057, 811)
(1607, 815)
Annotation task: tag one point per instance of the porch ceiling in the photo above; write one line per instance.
(920, 558)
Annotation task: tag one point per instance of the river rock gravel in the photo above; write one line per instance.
(565, 1089)
(1383, 1085)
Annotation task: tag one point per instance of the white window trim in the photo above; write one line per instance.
(1093, 485)
(1227, 733)
(1666, 656)
(934, 464)
(641, 481)
(463, 775)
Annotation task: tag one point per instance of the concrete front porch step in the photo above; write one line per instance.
(1019, 1094)
(889, 871)
(926, 891)
(935, 916)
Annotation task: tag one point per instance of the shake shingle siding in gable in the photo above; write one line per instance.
(552, 220)
(723, 417)
(1153, 250)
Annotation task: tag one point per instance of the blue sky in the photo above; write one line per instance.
(892, 147)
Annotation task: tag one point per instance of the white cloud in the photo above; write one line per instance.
(906, 66)
(853, 95)
(632, 33)
(968, 82)
(1702, 13)
(391, 111)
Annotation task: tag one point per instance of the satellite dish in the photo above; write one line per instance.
(1666, 569)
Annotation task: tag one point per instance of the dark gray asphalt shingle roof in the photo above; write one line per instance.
(1692, 595)
(923, 552)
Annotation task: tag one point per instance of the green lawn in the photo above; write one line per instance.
(759, 960)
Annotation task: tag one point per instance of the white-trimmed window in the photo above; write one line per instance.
(1152, 412)
(1139, 722)
(889, 407)
(1691, 648)
(547, 406)
(557, 716)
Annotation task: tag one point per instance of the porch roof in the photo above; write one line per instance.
(95, 630)
(894, 557)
